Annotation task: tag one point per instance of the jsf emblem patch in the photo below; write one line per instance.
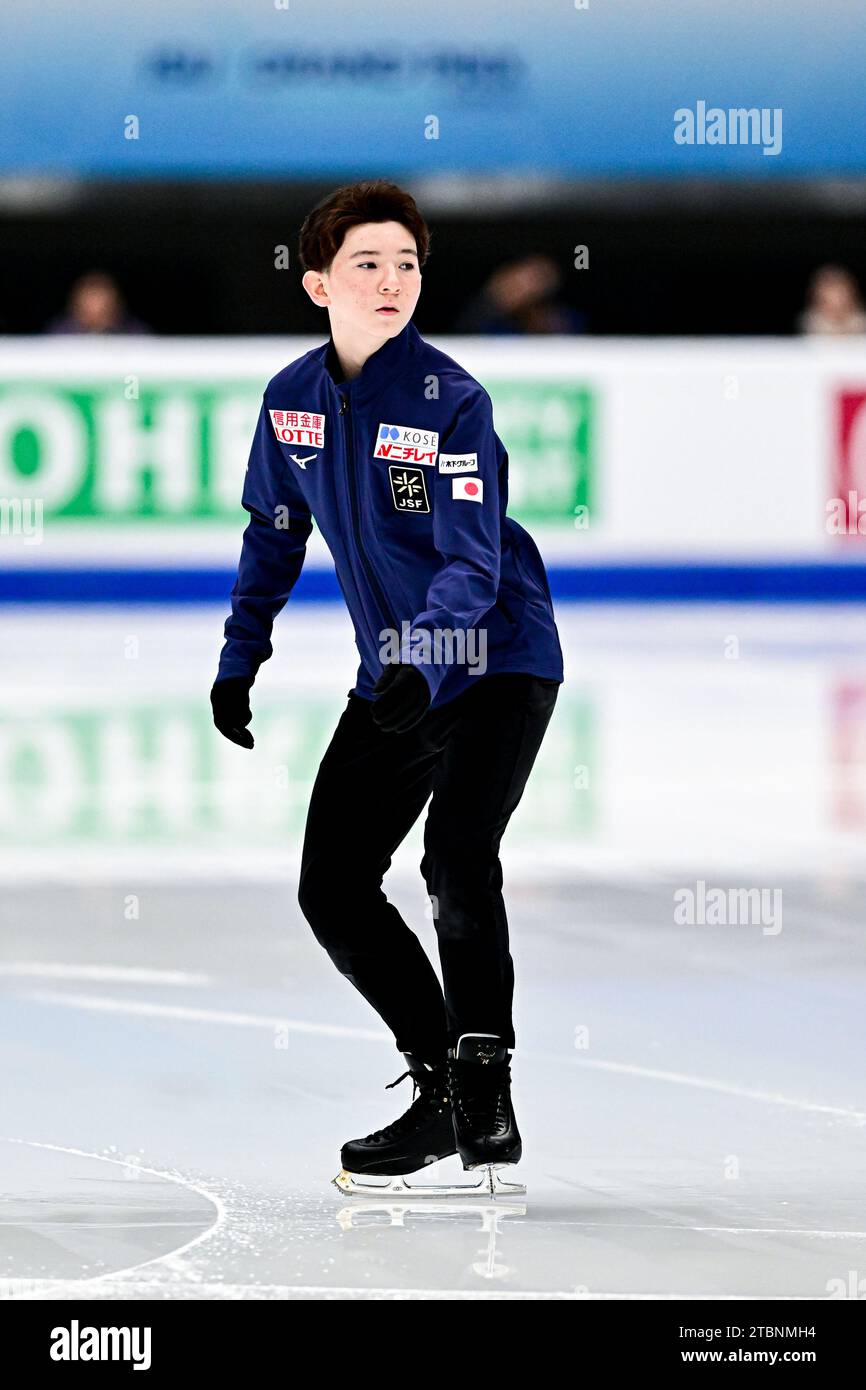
(404, 444)
(408, 489)
(299, 427)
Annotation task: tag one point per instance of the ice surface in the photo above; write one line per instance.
(182, 1062)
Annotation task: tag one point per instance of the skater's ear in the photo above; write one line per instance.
(315, 282)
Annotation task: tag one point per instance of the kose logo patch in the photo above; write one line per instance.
(406, 444)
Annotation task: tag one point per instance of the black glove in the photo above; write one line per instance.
(230, 701)
(401, 696)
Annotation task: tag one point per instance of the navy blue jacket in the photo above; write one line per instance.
(408, 482)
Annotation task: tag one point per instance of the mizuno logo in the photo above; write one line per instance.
(302, 463)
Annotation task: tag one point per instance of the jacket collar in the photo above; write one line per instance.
(390, 360)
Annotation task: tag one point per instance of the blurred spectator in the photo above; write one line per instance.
(96, 305)
(521, 297)
(833, 303)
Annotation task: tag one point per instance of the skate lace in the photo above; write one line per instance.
(480, 1092)
(433, 1094)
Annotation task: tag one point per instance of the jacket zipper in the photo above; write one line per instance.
(372, 580)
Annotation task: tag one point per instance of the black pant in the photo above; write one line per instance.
(475, 754)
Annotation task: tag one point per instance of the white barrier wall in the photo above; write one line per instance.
(700, 448)
(134, 449)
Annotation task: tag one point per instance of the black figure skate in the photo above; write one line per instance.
(485, 1129)
(421, 1136)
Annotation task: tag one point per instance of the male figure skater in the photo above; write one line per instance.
(389, 444)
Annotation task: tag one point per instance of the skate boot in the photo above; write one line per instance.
(485, 1128)
(421, 1136)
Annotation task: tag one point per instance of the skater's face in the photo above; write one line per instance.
(373, 282)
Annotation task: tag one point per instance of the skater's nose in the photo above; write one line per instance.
(390, 279)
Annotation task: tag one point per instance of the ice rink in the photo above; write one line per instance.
(182, 1062)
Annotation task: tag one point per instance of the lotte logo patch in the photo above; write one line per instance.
(299, 427)
(468, 489)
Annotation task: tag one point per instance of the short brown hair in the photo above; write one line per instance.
(373, 200)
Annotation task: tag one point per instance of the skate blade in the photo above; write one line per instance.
(487, 1183)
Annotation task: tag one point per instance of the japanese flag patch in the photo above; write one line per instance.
(468, 489)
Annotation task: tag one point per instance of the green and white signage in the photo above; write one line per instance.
(130, 449)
